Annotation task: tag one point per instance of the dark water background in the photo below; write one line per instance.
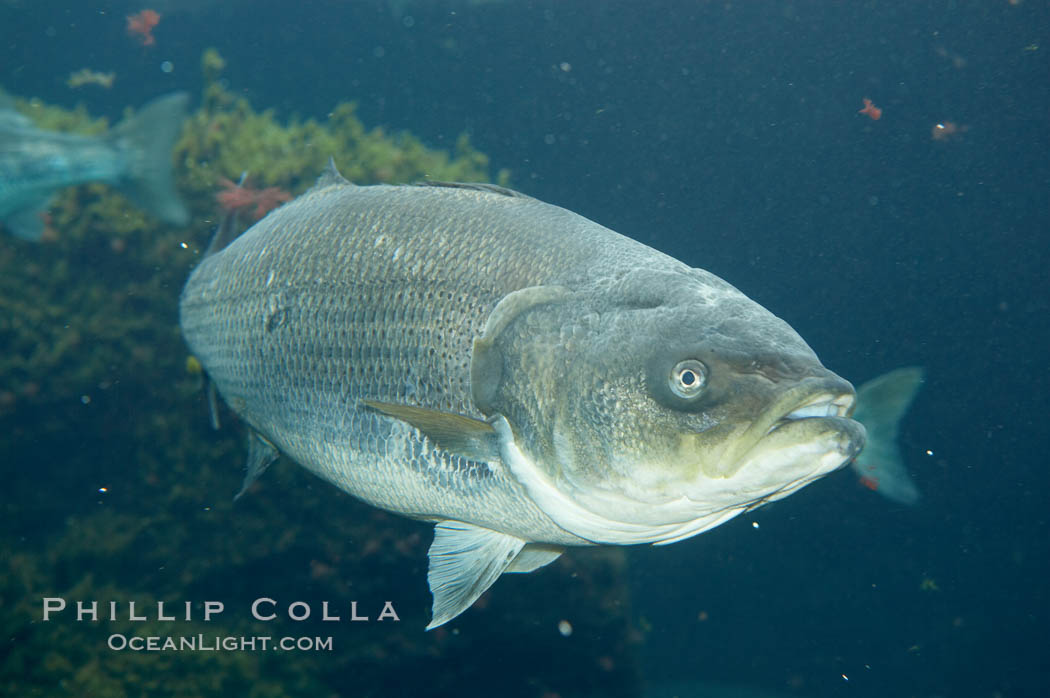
(727, 134)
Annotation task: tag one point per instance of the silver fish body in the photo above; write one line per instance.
(516, 373)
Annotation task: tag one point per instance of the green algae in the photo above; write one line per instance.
(54, 118)
(227, 137)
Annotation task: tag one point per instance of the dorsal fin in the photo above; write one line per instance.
(225, 233)
(477, 186)
(227, 229)
(330, 177)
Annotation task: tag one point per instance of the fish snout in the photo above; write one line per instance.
(822, 402)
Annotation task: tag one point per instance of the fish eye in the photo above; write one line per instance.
(687, 378)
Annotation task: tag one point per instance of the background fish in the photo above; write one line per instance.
(135, 157)
(518, 374)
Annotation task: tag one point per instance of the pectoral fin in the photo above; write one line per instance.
(213, 402)
(456, 433)
(464, 561)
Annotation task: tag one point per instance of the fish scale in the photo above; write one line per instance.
(360, 323)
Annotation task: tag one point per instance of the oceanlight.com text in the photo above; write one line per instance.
(217, 643)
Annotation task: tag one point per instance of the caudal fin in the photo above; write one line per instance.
(146, 139)
(881, 404)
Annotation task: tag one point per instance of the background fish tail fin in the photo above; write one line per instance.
(147, 139)
(881, 404)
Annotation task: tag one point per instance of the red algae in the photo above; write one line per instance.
(242, 197)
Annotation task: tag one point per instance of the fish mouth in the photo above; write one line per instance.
(817, 405)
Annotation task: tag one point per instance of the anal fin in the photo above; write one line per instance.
(261, 453)
(465, 560)
(534, 556)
